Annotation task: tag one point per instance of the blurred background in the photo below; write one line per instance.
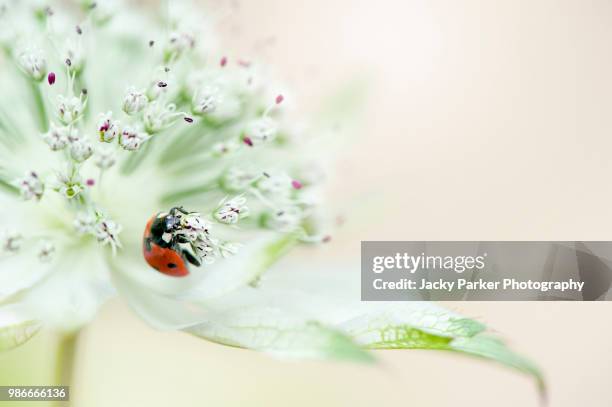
(484, 120)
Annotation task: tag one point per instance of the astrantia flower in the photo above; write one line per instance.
(72, 228)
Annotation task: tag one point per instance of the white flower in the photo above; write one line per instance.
(57, 267)
(134, 101)
(11, 241)
(107, 233)
(206, 100)
(84, 223)
(80, 150)
(73, 55)
(69, 184)
(158, 116)
(260, 131)
(178, 43)
(231, 210)
(46, 252)
(107, 127)
(217, 101)
(31, 186)
(33, 63)
(70, 109)
(225, 148)
(57, 137)
(287, 218)
(160, 84)
(237, 179)
(105, 159)
(132, 137)
(278, 185)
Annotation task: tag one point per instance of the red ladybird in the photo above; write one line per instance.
(164, 252)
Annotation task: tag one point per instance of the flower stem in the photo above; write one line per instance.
(39, 103)
(65, 362)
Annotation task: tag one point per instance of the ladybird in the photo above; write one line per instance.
(161, 250)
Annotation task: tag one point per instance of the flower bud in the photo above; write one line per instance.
(107, 232)
(73, 52)
(57, 137)
(107, 127)
(134, 101)
(261, 131)
(70, 108)
(276, 185)
(157, 116)
(178, 43)
(131, 138)
(84, 223)
(231, 211)
(46, 252)
(31, 186)
(11, 242)
(285, 219)
(33, 63)
(236, 180)
(80, 150)
(105, 160)
(69, 185)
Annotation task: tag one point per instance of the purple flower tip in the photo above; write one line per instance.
(223, 61)
(51, 78)
(279, 99)
(247, 140)
(296, 184)
(188, 119)
(91, 182)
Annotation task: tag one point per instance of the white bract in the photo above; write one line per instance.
(78, 241)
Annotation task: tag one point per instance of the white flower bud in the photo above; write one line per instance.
(160, 83)
(80, 150)
(231, 211)
(84, 223)
(228, 249)
(206, 249)
(70, 109)
(157, 116)
(33, 63)
(69, 185)
(285, 219)
(134, 101)
(178, 43)
(57, 137)
(216, 103)
(193, 227)
(205, 101)
(107, 127)
(261, 131)
(107, 233)
(105, 160)
(276, 185)
(73, 56)
(131, 138)
(11, 241)
(31, 186)
(236, 180)
(46, 252)
(224, 148)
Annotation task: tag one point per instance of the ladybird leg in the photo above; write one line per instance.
(182, 239)
(191, 258)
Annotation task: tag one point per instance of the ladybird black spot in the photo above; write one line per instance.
(171, 265)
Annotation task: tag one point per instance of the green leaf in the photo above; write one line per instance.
(15, 335)
(275, 333)
(15, 330)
